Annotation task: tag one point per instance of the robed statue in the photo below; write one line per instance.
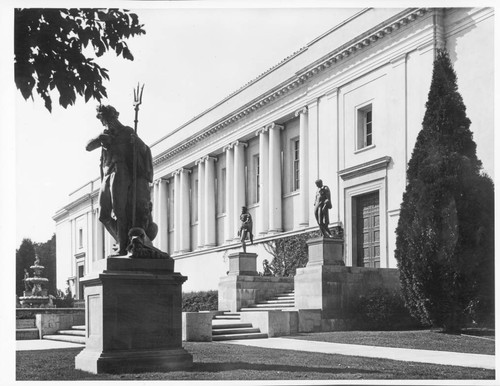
(124, 196)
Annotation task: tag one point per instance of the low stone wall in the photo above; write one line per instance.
(48, 324)
(197, 326)
(29, 313)
(239, 291)
(336, 289)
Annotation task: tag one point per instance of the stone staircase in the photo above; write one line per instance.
(26, 329)
(228, 326)
(75, 335)
(276, 303)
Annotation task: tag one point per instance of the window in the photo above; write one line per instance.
(194, 205)
(256, 165)
(365, 127)
(172, 209)
(295, 164)
(222, 191)
(80, 238)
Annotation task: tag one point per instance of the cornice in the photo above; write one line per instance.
(301, 77)
(81, 200)
(365, 168)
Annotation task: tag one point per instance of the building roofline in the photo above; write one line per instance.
(358, 43)
(264, 74)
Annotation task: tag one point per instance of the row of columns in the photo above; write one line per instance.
(269, 212)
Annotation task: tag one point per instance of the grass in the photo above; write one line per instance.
(219, 361)
(419, 339)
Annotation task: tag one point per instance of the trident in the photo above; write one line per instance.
(137, 102)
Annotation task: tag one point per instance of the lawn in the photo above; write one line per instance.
(419, 339)
(219, 361)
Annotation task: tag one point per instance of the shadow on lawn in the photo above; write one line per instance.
(215, 367)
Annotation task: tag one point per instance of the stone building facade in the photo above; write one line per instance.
(346, 108)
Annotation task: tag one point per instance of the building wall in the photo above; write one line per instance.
(385, 67)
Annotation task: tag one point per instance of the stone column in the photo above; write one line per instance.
(275, 178)
(201, 202)
(304, 204)
(239, 182)
(98, 237)
(263, 209)
(209, 203)
(163, 215)
(229, 222)
(313, 150)
(156, 209)
(185, 226)
(177, 211)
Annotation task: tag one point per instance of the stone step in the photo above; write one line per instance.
(66, 338)
(267, 308)
(71, 332)
(78, 327)
(231, 325)
(258, 335)
(270, 305)
(226, 317)
(27, 333)
(277, 301)
(292, 297)
(285, 294)
(227, 331)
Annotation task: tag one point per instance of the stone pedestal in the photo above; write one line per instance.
(325, 251)
(241, 263)
(313, 291)
(133, 317)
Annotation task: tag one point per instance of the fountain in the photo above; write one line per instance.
(34, 296)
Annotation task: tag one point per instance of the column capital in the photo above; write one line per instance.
(302, 110)
(180, 171)
(274, 126)
(262, 130)
(227, 147)
(238, 143)
(209, 158)
(199, 161)
(160, 180)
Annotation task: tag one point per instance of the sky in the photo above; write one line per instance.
(189, 59)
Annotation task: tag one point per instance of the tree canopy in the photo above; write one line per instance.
(445, 233)
(49, 44)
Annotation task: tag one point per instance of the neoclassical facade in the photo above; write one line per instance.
(346, 108)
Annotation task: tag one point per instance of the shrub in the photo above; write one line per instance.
(382, 309)
(200, 301)
(290, 253)
(63, 300)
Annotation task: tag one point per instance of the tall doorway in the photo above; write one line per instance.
(368, 230)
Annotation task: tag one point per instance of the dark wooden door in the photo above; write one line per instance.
(368, 230)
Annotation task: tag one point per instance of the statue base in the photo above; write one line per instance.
(241, 263)
(133, 318)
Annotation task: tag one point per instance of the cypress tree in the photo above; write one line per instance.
(445, 235)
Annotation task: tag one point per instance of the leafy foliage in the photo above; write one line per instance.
(200, 301)
(445, 234)
(49, 46)
(382, 309)
(289, 253)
